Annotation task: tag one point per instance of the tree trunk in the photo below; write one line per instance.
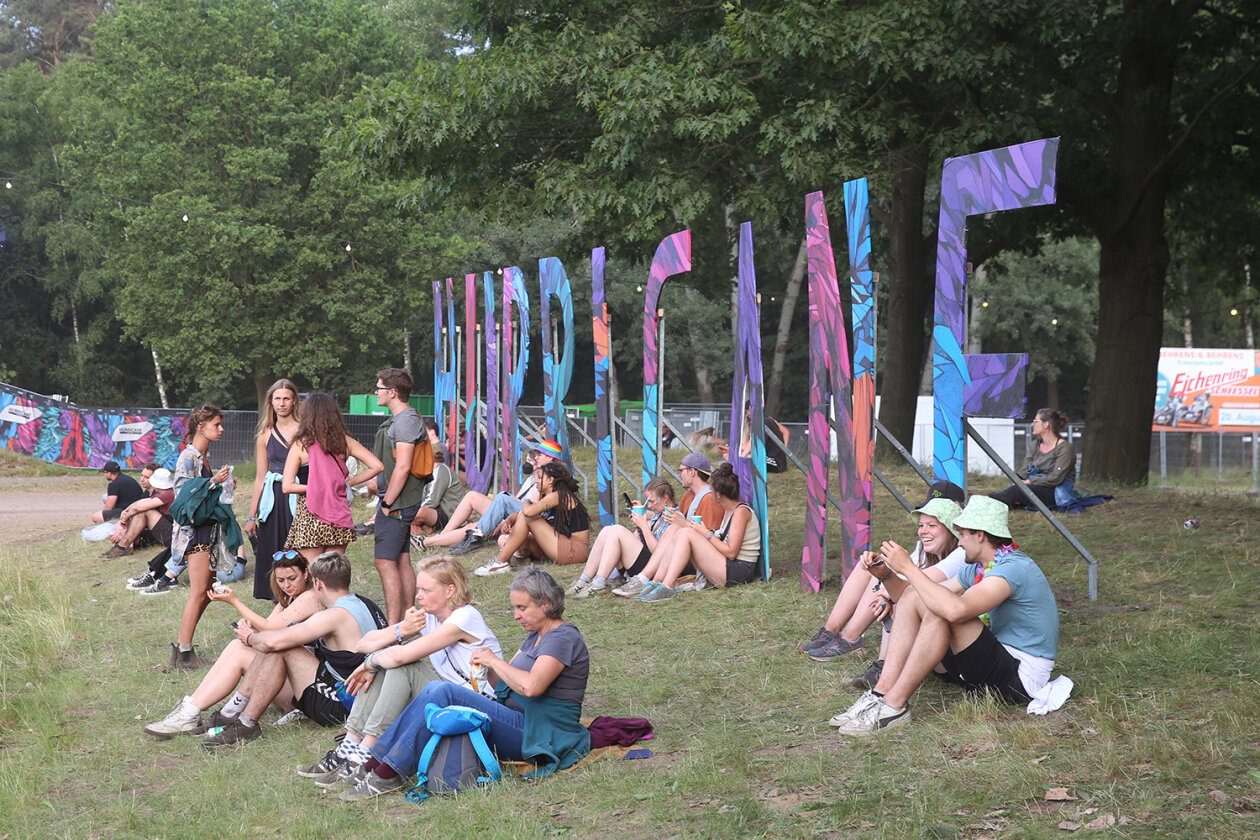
(909, 296)
(1133, 262)
(161, 383)
(774, 387)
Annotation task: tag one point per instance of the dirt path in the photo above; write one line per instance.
(40, 508)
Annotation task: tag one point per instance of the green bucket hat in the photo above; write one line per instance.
(985, 514)
(946, 510)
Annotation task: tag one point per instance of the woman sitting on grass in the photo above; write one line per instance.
(295, 601)
(860, 604)
(316, 471)
(726, 557)
(620, 548)
(556, 527)
(536, 717)
(434, 642)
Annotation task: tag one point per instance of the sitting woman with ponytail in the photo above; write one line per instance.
(1049, 469)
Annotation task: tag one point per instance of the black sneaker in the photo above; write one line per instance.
(215, 721)
(235, 732)
(470, 543)
(365, 528)
(145, 580)
(163, 585)
(330, 761)
(870, 676)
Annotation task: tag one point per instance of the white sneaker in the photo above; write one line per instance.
(875, 718)
(589, 590)
(867, 698)
(494, 567)
(576, 586)
(290, 717)
(184, 718)
(631, 587)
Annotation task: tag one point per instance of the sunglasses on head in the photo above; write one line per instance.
(286, 555)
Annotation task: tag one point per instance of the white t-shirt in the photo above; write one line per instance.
(452, 662)
(951, 564)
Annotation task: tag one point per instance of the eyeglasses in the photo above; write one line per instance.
(383, 388)
(286, 555)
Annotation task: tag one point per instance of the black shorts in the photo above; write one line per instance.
(986, 665)
(738, 571)
(640, 562)
(111, 514)
(393, 533)
(319, 701)
(159, 534)
(442, 519)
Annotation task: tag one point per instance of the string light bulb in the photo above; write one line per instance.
(1054, 322)
(185, 217)
(347, 247)
(1233, 312)
(639, 289)
(984, 304)
(8, 185)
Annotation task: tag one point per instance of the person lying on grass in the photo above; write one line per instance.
(620, 549)
(303, 663)
(434, 641)
(860, 604)
(726, 556)
(536, 716)
(236, 668)
(994, 626)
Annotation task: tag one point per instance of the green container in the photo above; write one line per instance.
(366, 404)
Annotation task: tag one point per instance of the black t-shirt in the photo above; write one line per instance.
(126, 488)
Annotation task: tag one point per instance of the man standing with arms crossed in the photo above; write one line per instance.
(399, 491)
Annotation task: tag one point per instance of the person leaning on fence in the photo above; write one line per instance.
(994, 626)
(619, 549)
(726, 555)
(537, 714)
(236, 669)
(434, 641)
(860, 604)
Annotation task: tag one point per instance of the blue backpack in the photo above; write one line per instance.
(457, 755)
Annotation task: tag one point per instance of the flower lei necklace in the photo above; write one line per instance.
(997, 555)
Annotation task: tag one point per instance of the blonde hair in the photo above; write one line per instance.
(448, 571)
(267, 417)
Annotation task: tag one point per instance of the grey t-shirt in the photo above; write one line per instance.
(565, 644)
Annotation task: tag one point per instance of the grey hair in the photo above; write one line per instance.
(541, 588)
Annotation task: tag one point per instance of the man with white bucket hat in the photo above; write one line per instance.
(994, 625)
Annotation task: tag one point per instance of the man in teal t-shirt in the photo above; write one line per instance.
(994, 627)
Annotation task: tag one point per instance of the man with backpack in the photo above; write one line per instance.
(399, 492)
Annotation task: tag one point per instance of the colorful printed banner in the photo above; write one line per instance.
(63, 433)
(1201, 390)
(603, 411)
(673, 256)
(553, 281)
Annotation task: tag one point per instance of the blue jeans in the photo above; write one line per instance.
(402, 743)
(501, 507)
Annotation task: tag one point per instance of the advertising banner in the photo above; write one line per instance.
(1200, 390)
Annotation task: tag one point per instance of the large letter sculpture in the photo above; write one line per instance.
(445, 394)
(1009, 178)
(480, 469)
(557, 372)
(513, 293)
(829, 390)
(673, 256)
(603, 411)
(862, 297)
(747, 392)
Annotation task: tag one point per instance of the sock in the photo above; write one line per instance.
(614, 575)
(385, 771)
(189, 706)
(584, 578)
(371, 765)
(642, 578)
(235, 706)
(359, 754)
(246, 720)
(347, 746)
(185, 648)
(598, 581)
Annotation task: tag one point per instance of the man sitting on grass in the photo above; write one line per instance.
(147, 521)
(442, 496)
(333, 633)
(995, 626)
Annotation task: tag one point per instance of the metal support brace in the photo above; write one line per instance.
(639, 441)
(1037, 503)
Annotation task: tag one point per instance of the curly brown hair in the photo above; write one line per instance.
(321, 423)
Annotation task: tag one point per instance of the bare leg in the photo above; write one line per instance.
(298, 665)
(225, 676)
(472, 501)
(847, 601)
(623, 551)
(198, 583)
(918, 640)
(391, 581)
(663, 549)
(597, 551)
(691, 547)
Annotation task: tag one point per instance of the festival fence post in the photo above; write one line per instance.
(515, 367)
(603, 411)
(553, 280)
(479, 461)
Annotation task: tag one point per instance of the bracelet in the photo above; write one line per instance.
(370, 664)
(397, 632)
(250, 636)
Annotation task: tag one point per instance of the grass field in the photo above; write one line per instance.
(1160, 738)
